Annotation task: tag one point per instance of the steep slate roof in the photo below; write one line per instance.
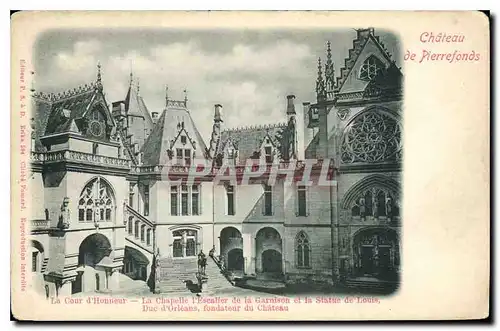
(135, 105)
(56, 113)
(248, 141)
(166, 130)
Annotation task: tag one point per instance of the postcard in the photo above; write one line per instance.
(258, 166)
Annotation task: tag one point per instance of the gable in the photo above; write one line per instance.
(352, 82)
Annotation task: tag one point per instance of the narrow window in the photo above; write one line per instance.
(143, 232)
(230, 199)
(187, 157)
(302, 199)
(195, 200)
(268, 201)
(146, 200)
(173, 201)
(136, 232)
(148, 237)
(184, 200)
(34, 261)
(269, 156)
(183, 140)
(302, 249)
(95, 148)
(179, 155)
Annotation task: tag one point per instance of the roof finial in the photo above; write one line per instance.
(131, 75)
(329, 71)
(185, 97)
(320, 84)
(166, 95)
(99, 82)
(138, 86)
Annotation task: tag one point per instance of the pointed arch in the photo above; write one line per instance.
(97, 202)
(302, 250)
(370, 181)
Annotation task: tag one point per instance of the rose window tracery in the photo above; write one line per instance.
(372, 137)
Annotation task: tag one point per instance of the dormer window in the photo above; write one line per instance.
(183, 140)
(268, 151)
(370, 68)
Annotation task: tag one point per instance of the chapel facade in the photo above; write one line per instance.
(110, 190)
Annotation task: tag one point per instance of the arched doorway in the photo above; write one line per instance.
(94, 249)
(271, 261)
(376, 253)
(235, 260)
(268, 244)
(231, 248)
(135, 264)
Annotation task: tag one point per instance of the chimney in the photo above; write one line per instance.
(218, 113)
(290, 107)
(154, 115)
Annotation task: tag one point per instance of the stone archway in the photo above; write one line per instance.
(376, 253)
(268, 245)
(231, 241)
(94, 252)
(135, 264)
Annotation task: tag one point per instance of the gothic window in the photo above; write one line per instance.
(230, 199)
(96, 202)
(173, 201)
(183, 140)
(370, 68)
(187, 157)
(372, 137)
(136, 232)
(143, 232)
(302, 201)
(186, 201)
(302, 250)
(131, 225)
(148, 237)
(195, 200)
(146, 200)
(95, 148)
(268, 152)
(268, 200)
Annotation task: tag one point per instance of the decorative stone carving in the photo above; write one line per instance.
(64, 218)
(372, 137)
(343, 113)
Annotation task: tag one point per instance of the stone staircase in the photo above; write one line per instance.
(371, 285)
(216, 280)
(175, 273)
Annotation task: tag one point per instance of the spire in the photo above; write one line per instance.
(32, 90)
(320, 84)
(138, 86)
(99, 82)
(329, 72)
(166, 95)
(131, 79)
(185, 97)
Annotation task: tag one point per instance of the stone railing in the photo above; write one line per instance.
(40, 224)
(66, 155)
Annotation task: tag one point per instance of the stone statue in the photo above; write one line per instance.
(388, 207)
(375, 205)
(64, 218)
(362, 208)
(97, 215)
